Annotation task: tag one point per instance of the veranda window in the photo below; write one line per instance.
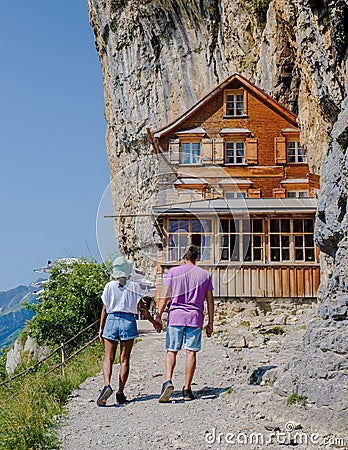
(185, 231)
(291, 240)
(242, 240)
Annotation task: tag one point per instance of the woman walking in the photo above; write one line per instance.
(122, 299)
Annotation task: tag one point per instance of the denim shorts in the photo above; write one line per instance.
(191, 337)
(120, 326)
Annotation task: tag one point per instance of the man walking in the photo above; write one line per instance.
(187, 286)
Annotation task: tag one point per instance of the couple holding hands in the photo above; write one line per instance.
(186, 288)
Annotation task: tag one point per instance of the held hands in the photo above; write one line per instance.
(209, 329)
(158, 321)
(157, 326)
(143, 309)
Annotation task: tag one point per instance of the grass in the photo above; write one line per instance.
(229, 390)
(30, 407)
(295, 398)
(277, 330)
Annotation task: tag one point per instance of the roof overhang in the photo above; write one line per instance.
(234, 182)
(193, 183)
(237, 131)
(295, 181)
(242, 206)
(192, 132)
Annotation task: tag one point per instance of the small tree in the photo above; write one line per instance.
(70, 302)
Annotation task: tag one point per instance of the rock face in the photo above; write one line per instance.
(158, 57)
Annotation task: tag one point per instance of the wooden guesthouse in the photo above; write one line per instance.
(236, 183)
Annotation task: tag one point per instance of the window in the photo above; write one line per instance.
(291, 240)
(234, 153)
(241, 240)
(235, 194)
(297, 194)
(235, 105)
(190, 153)
(279, 240)
(295, 152)
(185, 231)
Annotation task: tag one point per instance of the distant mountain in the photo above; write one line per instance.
(12, 297)
(13, 314)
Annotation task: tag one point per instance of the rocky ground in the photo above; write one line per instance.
(236, 406)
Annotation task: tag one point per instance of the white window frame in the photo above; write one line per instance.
(235, 194)
(297, 194)
(291, 236)
(176, 241)
(235, 104)
(233, 157)
(192, 158)
(242, 243)
(295, 153)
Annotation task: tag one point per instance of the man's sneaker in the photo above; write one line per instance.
(104, 395)
(121, 398)
(166, 392)
(187, 394)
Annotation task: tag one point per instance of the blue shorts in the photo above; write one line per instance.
(120, 326)
(177, 335)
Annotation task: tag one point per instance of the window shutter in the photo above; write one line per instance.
(251, 151)
(218, 151)
(280, 150)
(174, 151)
(279, 193)
(254, 193)
(206, 151)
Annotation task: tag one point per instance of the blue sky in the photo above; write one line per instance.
(53, 169)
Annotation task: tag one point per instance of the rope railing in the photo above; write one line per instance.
(56, 350)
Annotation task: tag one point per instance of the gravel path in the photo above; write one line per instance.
(227, 413)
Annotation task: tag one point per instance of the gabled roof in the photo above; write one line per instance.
(267, 99)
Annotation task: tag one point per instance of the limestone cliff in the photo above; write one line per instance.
(158, 57)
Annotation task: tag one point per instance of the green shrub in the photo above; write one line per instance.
(295, 398)
(70, 302)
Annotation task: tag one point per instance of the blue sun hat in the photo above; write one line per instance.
(121, 267)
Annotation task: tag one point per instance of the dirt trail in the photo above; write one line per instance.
(218, 418)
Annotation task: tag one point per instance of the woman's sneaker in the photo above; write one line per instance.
(104, 395)
(166, 392)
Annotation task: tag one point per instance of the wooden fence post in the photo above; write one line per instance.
(62, 358)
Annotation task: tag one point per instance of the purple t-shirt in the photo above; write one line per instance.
(188, 288)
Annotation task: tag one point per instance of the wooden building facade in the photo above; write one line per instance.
(236, 184)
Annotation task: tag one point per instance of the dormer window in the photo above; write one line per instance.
(295, 153)
(235, 103)
(190, 153)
